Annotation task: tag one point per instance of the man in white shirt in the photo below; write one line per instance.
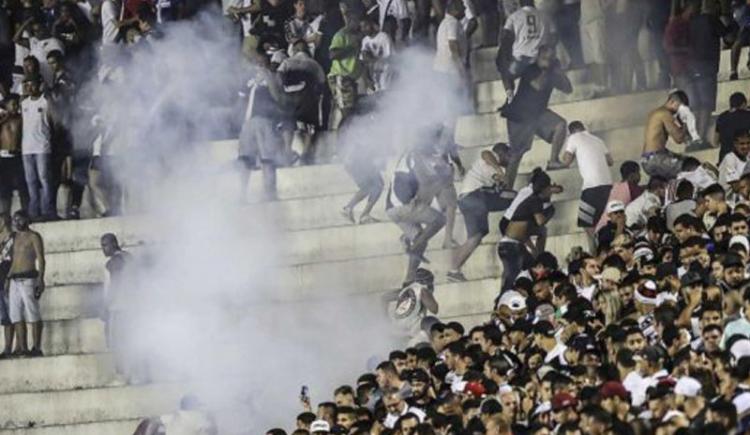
(110, 17)
(377, 48)
(483, 191)
(452, 45)
(594, 161)
(525, 31)
(733, 164)
(36, 147)
(397, 407)
(645, 206)
(39, 44)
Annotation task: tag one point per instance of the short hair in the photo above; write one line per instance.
(575, 127)
(656, 224)
(680, 96)
(737, 100)
(387, 366)
(345, 410)
(397, 354)
(689, 221)
(344, 389)
(740, 133)
(500, 364)
(628, 168)
(656, 181)
(712, 327)
(713, 190)
(690, 164)
(307, 417)
(501, 148)
(55, 54)
(276, 431)
(455, 326)
(685, 190)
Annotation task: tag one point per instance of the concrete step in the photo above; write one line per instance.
(64, 372)
(119, 427)
(72, 337)
(76, 407)
(483, 70)
(71, 302)
(599, 114)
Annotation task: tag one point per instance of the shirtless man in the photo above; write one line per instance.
(26, 285)
(660, 126)
(11, 165)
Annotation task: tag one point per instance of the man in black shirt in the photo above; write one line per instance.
(706, 31)
(736, 118)
(528, 113)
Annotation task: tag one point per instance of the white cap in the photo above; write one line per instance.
(513, 300)
(742, 240)
(688, 387)
(670, 415)
(740, 348)
(742, 403)
(614, 206)
(665, 297)
(320, 426)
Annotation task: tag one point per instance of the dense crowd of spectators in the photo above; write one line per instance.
(645, 330)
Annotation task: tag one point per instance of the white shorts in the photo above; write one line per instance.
(22, 305)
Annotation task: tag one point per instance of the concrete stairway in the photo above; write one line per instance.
(69, 392)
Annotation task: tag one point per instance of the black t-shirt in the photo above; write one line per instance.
(272, 18)
(726, 125)
(527, 209)
(528, 103)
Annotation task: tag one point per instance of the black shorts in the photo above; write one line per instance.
(521, 134)
(592, 205)
(477, 205)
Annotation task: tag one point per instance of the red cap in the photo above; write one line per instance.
(563, 400)
(475, 388)
(612, 389)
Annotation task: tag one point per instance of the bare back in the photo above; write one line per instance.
(660, 126)
(10, 135)
(26, 251)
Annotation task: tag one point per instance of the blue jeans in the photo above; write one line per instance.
(38, 170)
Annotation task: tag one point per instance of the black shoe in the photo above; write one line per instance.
(73, 214)
(34, 353)
(734, 76)
(6, 355)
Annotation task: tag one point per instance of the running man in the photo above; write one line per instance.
(26, 285)
(483, 191)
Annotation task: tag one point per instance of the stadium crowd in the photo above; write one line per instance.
(646, 330)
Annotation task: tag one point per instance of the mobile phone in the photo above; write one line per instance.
(304, 394)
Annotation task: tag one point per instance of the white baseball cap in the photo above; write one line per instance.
(320, 426)
(615, 206)
(688, 387)
(513, 300)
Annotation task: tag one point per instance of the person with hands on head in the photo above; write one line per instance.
(26, 285)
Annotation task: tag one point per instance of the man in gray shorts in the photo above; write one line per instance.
(419, 176)
(260, 137)
(26, 285)
(528, 113)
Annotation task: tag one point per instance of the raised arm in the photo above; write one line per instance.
(18, 37)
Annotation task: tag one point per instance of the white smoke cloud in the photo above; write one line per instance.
(209, 301)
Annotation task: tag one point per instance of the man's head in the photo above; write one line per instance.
(687, 226)
(13, 103)
(616, 212)
(368, 26)
(635, 341)
(345, 416)
(393, 402)
(55, 60)
(738, 225)
(39, 30)
(456, 8)
(30, 66)
(711, 337)
(502, 151)
(344, 396)
(386, 375)
(741, 142)
(299, 8)
(630, 171)
(109, 244)
(657, 185)
(676, 99)
(737, 101)
(734, 271)
(714, 197)
(685, 190)
(576, 127)
(33, 86)
(21, 220)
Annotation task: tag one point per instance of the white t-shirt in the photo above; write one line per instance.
(391, 419)
(36, 128)
(480, 175)
(380, 45)
(730, 169)
(450, 29)
(635, 212)
(245, 19)
(395, 8)
(529, 29)
(110, 16)
(591, 153)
